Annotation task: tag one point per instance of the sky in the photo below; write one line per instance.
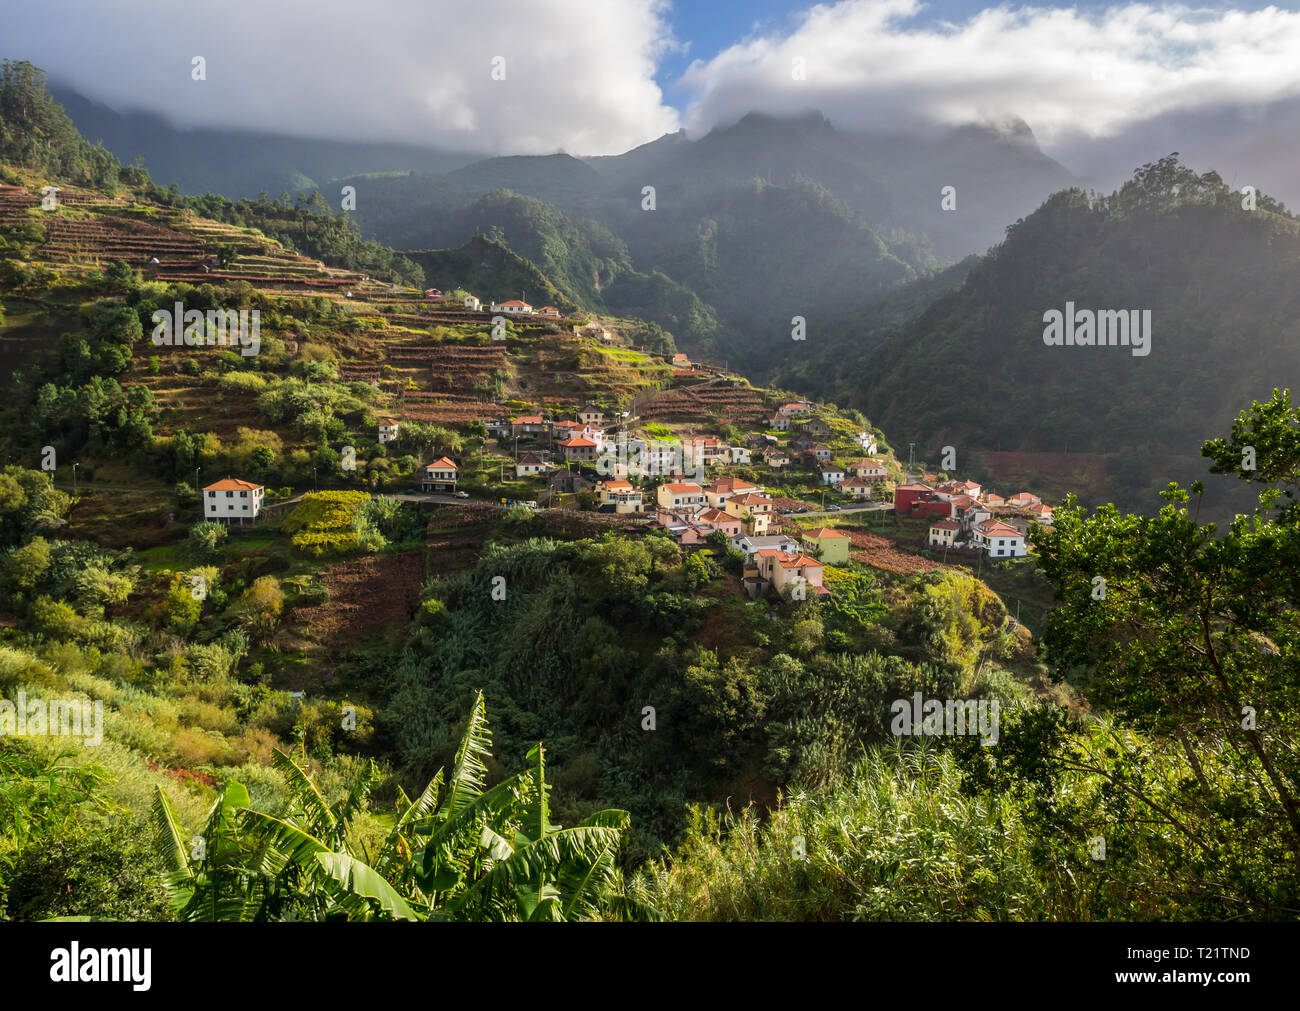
(601, 76)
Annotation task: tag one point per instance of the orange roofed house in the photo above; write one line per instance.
(439, 475)
(232, 499)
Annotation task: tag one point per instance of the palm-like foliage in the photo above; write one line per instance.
(463, 851)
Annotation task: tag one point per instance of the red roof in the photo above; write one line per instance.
(799, 561)
(617, 485)
(515, 301)
(232, 484)
(945, 525)
(749, 498)
(820, 532)
(682, 486)
(578, 443)
(442, 463)
(527, 419)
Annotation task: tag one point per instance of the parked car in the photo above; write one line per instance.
(462, 494)
(833, 508)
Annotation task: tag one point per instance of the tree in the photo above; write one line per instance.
(1189, 634)
(206, 539)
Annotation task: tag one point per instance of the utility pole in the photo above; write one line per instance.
(74, 479)
(314, 485)
(196, 485)
(910, 445)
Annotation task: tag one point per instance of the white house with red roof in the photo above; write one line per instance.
(1039, 512)
(439, 475)
(513, 306)
(1023, 498)
(548, 310)
(858, 487)
(388, 430)
(793, 408)
(472, 303)
(998, 539)
(232, 499)
(531, 465)
(943, 533)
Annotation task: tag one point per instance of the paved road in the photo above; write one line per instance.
(868, 507)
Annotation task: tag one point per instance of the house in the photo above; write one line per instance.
(1023, 498)
(993, 500)
(951, 489)
(867, 441)
(579, 449)
(530, 465)
(618, 497)
(563, 481)
(439, 475)
(872, 470)
(858, 487)
(1041, 513)
(998, 539)
(676, 495)
(819, 452)
(794, 408)
(943, 533)
(594, 331)
(829, 545)
(739, 454)
(705, 451)
(816, 427)
(725, 487)
(681, 361)
(776, 457)
(967, 511)
(755, 510)
(514, 306)
(472, 303)
(919, 500)
(388, 428)
(786, 572)
(832, 474)
(748, 544)
(780, 422)
(432, 293)
(533, 425)
(232, 499)
(718, 519)
(591, 415)
(548, 310)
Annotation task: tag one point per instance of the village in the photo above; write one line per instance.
(803, 489)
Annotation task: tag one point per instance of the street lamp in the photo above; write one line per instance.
(314, 485)
(74, 479)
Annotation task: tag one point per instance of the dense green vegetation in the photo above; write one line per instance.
(1222, 312)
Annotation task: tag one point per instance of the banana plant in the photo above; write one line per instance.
(460, 851)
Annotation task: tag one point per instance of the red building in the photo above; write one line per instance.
(919, 500)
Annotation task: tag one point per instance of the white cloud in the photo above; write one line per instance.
(579, 73)
(1073, 76)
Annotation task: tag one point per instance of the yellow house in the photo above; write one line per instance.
(755, 510)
